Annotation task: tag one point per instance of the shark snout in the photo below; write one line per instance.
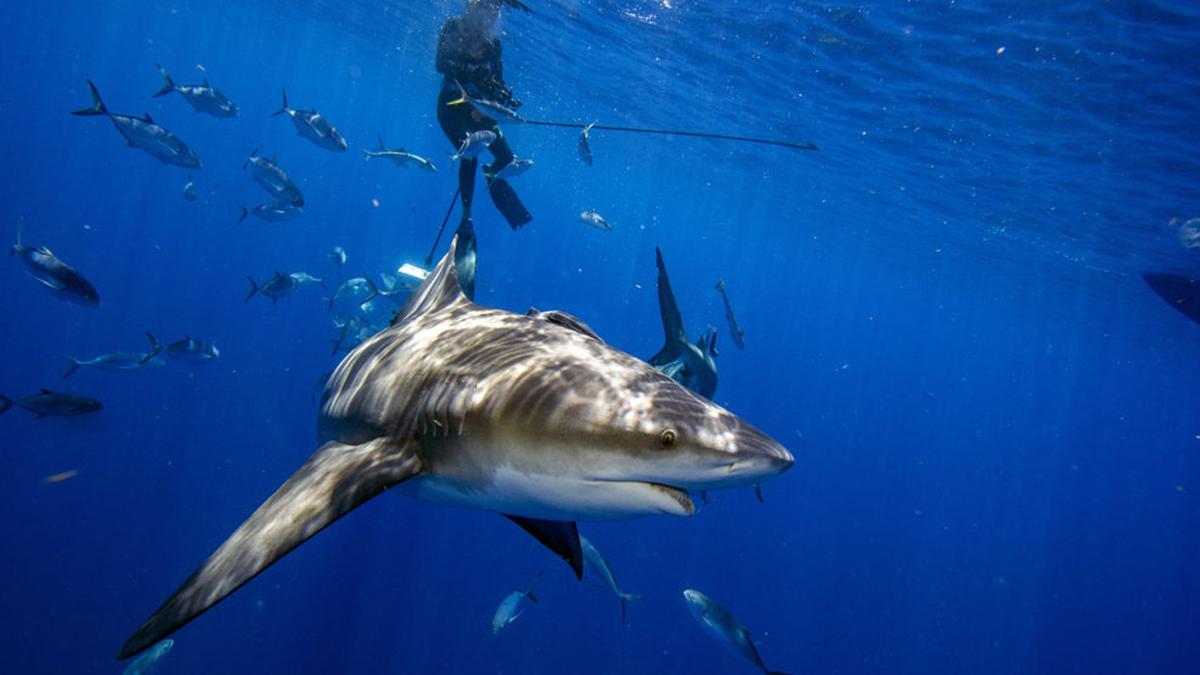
(757, 456)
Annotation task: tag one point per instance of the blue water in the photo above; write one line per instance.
(996, 423)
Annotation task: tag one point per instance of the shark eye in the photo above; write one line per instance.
(668, 437)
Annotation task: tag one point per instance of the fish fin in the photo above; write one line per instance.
(674, 335)
(284, 108)
(253, 287)
(439, 290)
(336, 478)
(74, 365)
(367, 155)
(462, 95)
(38, 415)
(97, 104)
(245, 212)
(560, 318)
(168, 85)
(381, 145)
(529, 590)
(155, 348)
(758, 493)
(627, 597)
(148, 118)
(721, 285)
(560, 536)
(5, 403)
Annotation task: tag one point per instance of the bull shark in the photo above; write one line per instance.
(532, 417)
(689, 364)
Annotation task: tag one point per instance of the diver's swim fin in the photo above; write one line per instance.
(508, 204)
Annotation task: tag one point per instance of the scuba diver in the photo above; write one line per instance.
(468, 57)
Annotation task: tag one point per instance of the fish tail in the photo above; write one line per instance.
(5, 403)
(285, 106)
(367, 155)
(721, 285)
(97, 104)
(74, 365)
(168, 85)
(253, 289)
(245, 212)
(252, 154)
(155, 348)
(529, 591)
(462, 98)
(374, 289)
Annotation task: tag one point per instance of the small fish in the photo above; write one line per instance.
(144, 134)
(473, 144)
(739, 335)
(303, 278)
(354, 287)
(51, 404)
(723, 626)
(148, 661)
(338, 256)
(274, 212)
(202, 97)
(399, 157)
(514, 168)
(591, 217)
(278, 286)
(594, 561)
(511, 606)
(312, 126)
(117, 362)
(273, 179)
(57, 277)
(189, 190)
(61, 476)
(499, 112)
(187, 350)
(585, 150)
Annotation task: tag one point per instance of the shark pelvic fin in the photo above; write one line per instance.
(559, 536)
(335, 480)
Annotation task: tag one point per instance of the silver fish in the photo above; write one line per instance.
(189, 190)
(338, 256)
(498, 112)
(202, 97)
(354, 287)
(278, 286)
(148, 661)
(312, 126)
(187, 350)
(585, 149)
(512, 606)
(52, 404)
(273, 179)
(57, 277)
(591, 217)
(116, 362)
(594, 561)
(739, 335)
(720, 624)
(144, 134)
(514, 168)
(399, 156)
(475, 143)
(274, 212)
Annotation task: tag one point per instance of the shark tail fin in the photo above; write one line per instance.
(5, 403)
(253, 288)
(336, 479)
(168, 85)
(285, 105)
(97, 104)
(74, 365)
(155, 348)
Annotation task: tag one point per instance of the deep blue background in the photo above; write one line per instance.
(997, 425)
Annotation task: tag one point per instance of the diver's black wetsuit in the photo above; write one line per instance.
(462, 58)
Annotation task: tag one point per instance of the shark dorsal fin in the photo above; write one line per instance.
(560, 318)
(439, 290)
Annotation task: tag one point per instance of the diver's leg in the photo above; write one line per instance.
(466, 184)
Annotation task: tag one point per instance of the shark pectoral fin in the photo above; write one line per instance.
(559, 536)
(335, 480)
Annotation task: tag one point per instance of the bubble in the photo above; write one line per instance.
(1189, 233)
